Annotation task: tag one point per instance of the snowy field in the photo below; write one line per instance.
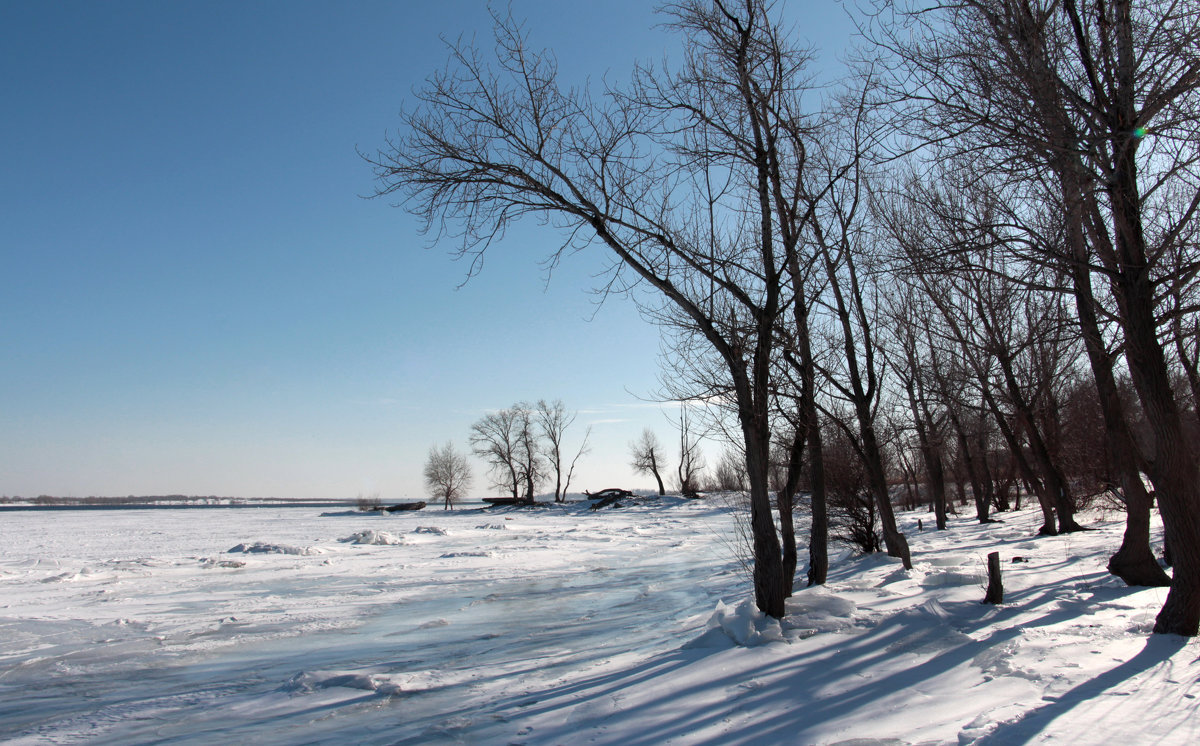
(563, 625)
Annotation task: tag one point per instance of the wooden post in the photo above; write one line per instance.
(995, 589)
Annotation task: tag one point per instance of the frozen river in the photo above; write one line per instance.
(560, 625)
(140, 625)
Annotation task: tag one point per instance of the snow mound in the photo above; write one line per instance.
(816, 609)
(952, 576)
(86, 573)
(370, 536)
(430, 530)
(260, 547)
(744, 624)
(214, 562)
(310, 681)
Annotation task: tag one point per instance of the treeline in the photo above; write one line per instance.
(524, 447)
(975, 261)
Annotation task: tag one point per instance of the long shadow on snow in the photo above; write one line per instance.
(1157, 650)
(904, 630)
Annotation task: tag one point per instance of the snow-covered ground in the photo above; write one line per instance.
(564, 625)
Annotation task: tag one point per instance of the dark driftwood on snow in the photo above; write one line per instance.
(508, 501)
(608, 497)
(610, 492)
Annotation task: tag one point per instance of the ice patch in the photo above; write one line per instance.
(260, 547)
(452, 555)
(435, 623)
(310, 681)
(370, 536)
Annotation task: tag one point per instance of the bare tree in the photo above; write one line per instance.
(906, 316)
(531, 463)
(494, 141)
(447, 475)
(553, 420)
(647, 457)
(691, 459)
(496, 439)
(846, 245)
(508, 441)
(730, 472)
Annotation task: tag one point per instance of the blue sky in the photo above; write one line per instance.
(197, 299)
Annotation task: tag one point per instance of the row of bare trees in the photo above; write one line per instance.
(523, 446)
(1004, 190)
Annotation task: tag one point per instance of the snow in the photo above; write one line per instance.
(564, 625)
(371, 536)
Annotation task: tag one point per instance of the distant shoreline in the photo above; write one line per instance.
(179, 505)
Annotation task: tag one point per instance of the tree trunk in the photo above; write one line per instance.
(785, 501)
(893, 540)
(1045, 500)
(1051, 476)
(787, 537)
(769, 580)
(1174, 469)
(654, 470)
(985, 501)
(818, 545)
(1134, 561)
(933, 461)
(968, 461)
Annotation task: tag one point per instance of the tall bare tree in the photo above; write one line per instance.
(508, 441)
(495, 438)
(494, 140)
(553, 419)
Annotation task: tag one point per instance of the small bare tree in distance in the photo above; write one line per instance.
(647, 457)
(447, 475)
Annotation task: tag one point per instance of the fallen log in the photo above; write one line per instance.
(607, 498)
(508, 501)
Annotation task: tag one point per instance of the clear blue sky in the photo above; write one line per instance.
(196, 299)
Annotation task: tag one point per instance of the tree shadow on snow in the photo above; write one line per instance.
(1158, 649)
